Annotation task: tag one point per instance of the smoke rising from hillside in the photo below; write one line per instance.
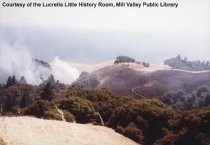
(16, 59)
(63, 72)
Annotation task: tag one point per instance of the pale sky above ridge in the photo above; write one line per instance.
(78, 34)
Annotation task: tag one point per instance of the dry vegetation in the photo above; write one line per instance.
(33, 131)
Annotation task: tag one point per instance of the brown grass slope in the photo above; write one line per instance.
(122, 79)
(34, 131)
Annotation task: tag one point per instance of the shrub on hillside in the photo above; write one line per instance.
(192, 127)
(118, 112)
(47, 110)
(83, 110)
(179, 100)
(132, 131)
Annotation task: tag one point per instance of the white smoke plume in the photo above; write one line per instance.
(16, 59)
(63, 72)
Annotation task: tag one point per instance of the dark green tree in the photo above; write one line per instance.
(26, 99)
(48, 92)
(11, 81)
(51, 79)
(10, 102)
(22, 80)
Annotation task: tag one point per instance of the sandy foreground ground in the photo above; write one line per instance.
(34, 131)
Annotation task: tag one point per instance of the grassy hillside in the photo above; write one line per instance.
(122, 79)
(34, 131)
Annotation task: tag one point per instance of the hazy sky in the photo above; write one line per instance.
(95, 35)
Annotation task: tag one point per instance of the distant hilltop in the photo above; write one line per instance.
(184, 64)
(42, 63)
(126, 59)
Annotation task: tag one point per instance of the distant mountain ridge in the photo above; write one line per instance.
(184, 64)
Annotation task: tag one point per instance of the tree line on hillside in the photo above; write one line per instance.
(179, 100)
(126, 59)
(146, 121)
(186, 60)
(183, 63)
(16, 94)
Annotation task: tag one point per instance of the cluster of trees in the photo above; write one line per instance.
(140, 120)
(46, 109)
(179, 100)
(145, 64)
(146, 121)
(200, 62)
(11, 81)
(126, 59)
(123, 59)
(204, 62)
(188, 127)
(185, 64)
(15, 95)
